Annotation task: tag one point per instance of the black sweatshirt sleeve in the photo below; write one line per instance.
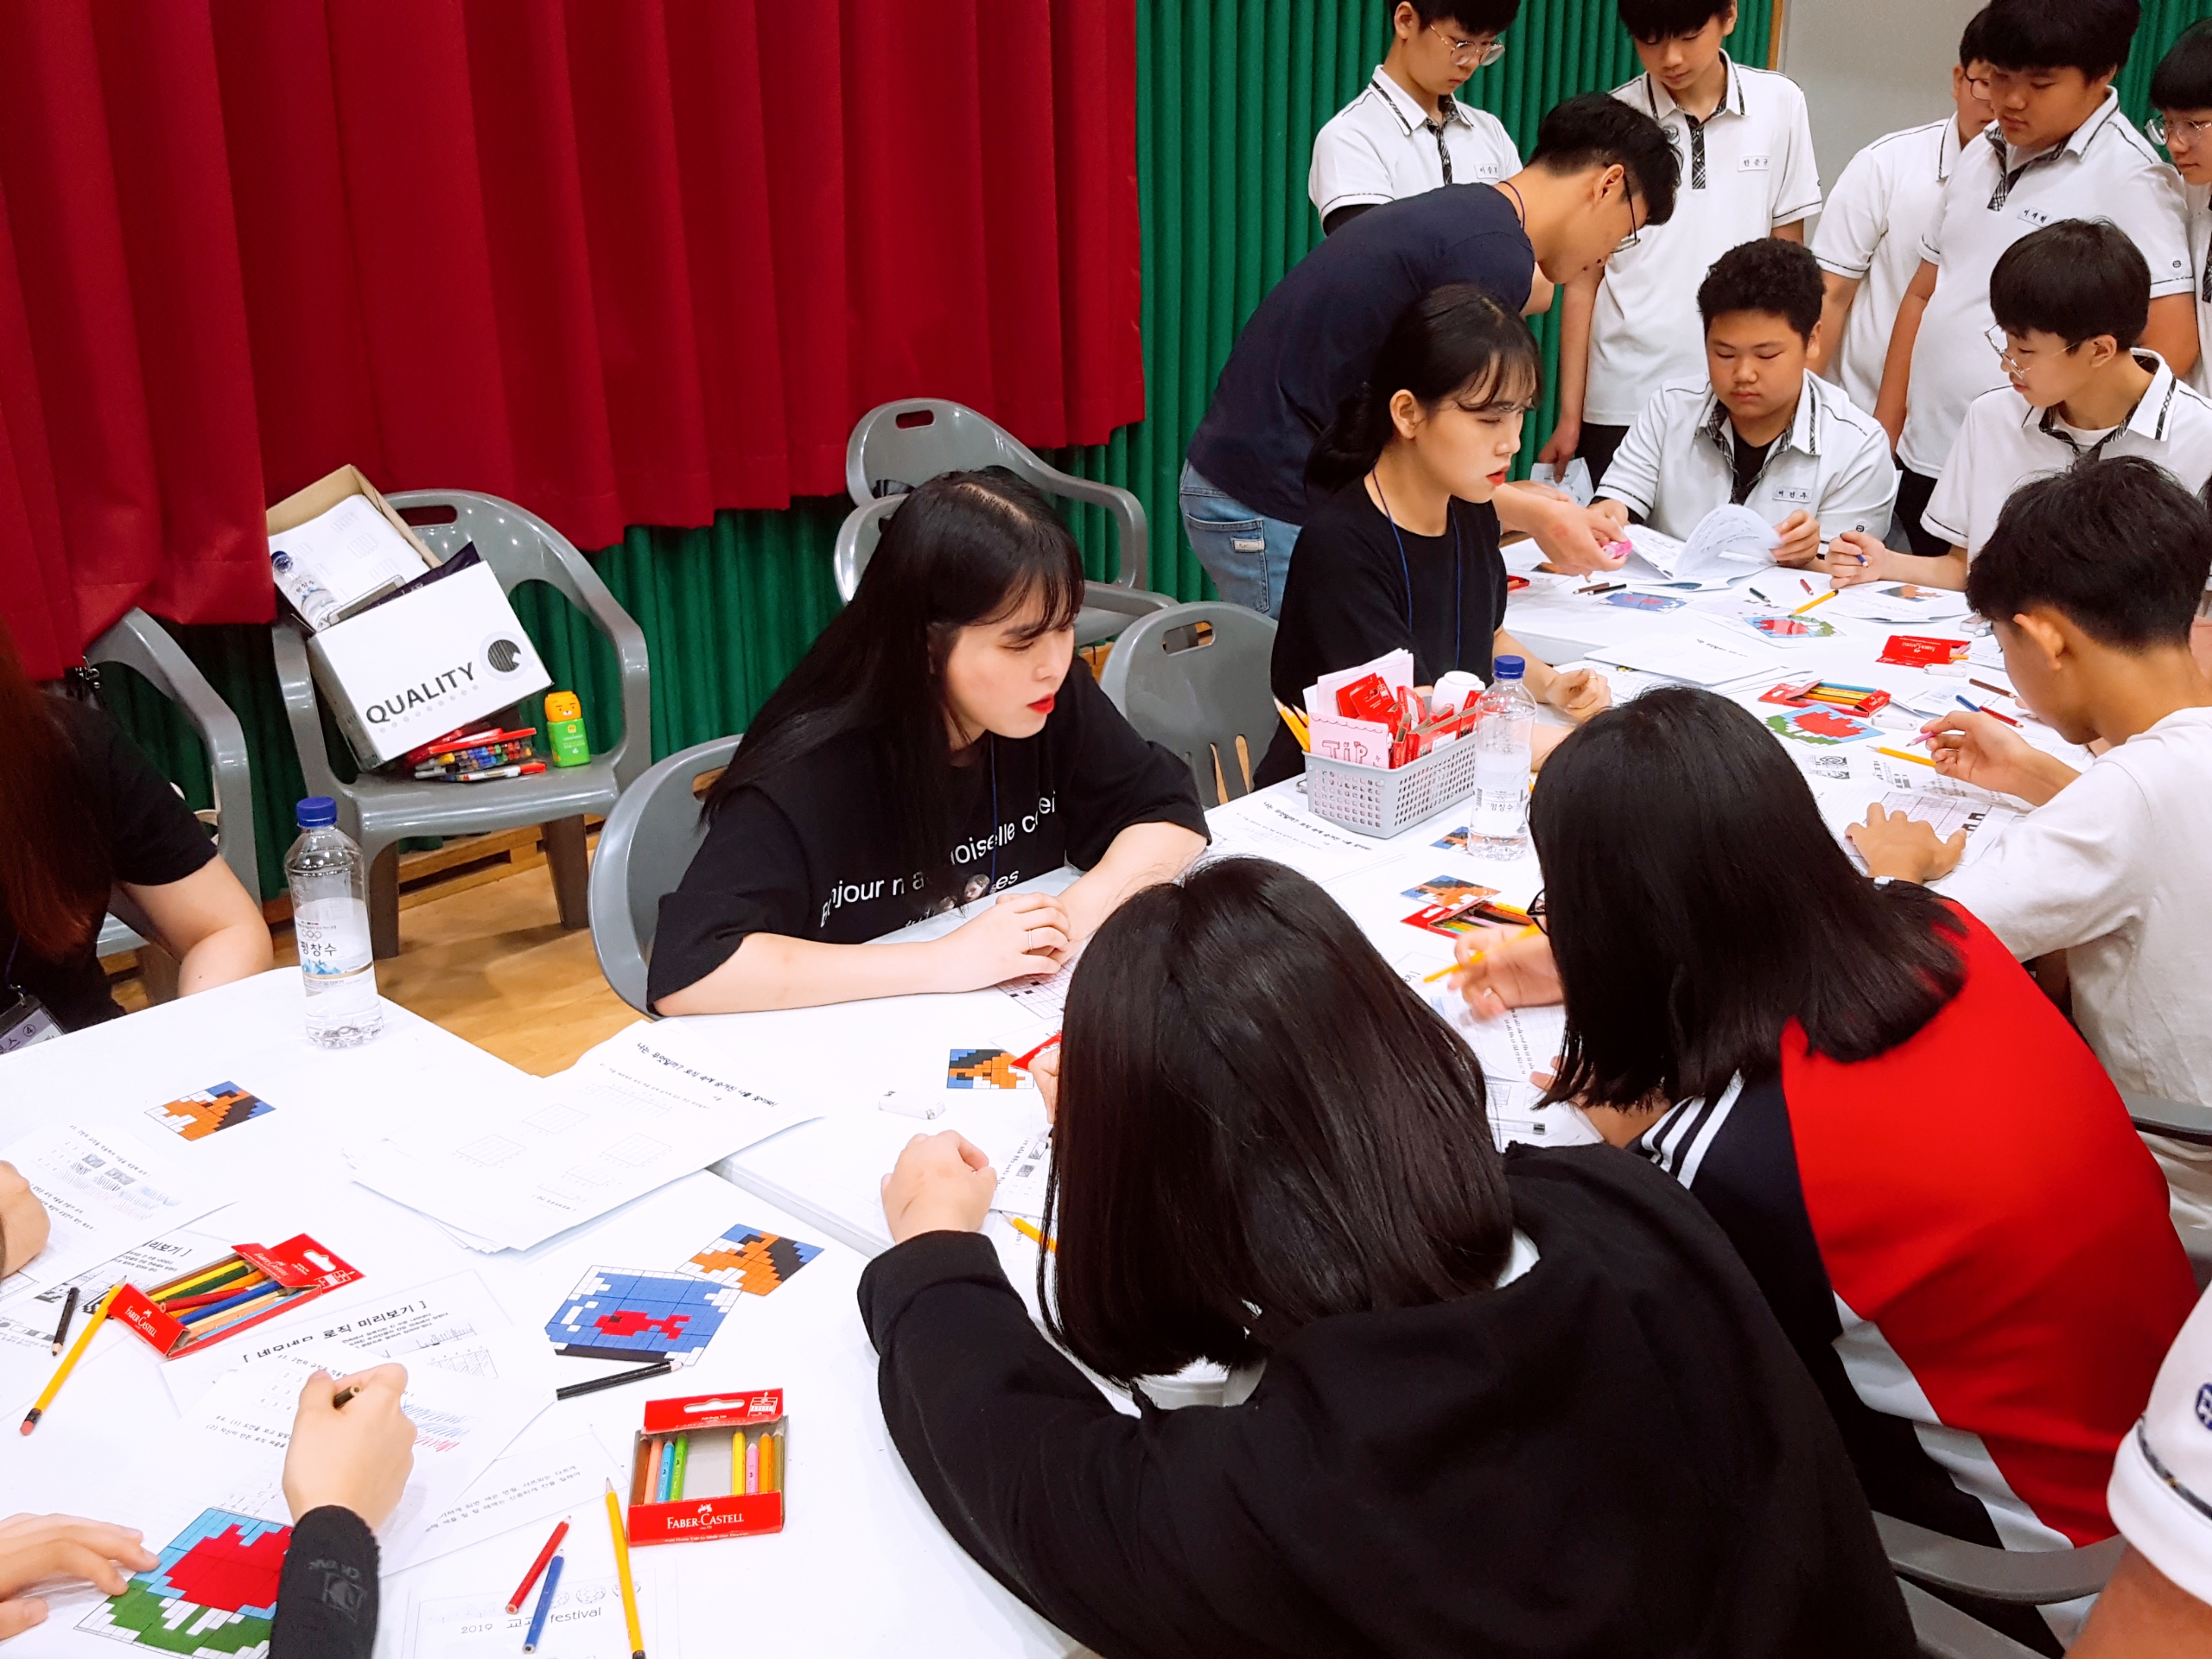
(1066, 1502)
(327, 1603)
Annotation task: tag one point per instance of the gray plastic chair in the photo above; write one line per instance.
(379, 811)
(1194, 679)
(2032, 1578)
(645, 847)
(138, 642)
(897, 445)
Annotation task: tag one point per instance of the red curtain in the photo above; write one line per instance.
(623, 261)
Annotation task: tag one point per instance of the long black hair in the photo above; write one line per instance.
(1257, 1113)
(1697, 904)
(1455, 342)
(963, 549)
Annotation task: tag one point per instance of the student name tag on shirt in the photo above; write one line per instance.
(2033, 216)
(23, 1022)
(1796, 498)
(1753, 164)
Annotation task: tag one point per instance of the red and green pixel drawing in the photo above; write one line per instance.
(213, 1597)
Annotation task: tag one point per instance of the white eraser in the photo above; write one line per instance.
(908, 1104)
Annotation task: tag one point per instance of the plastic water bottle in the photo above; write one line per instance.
(1498, 824)
(330, 919)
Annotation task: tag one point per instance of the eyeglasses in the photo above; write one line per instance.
(1979, 86)
(2160, 131)
(2009, 357)
(1635, 230)
(1539, 915)
(1481, 54)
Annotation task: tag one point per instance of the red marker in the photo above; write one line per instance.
(522, 1591)
(1022, 1064)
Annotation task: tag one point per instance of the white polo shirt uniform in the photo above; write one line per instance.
(1871, 232)
(2161, 1491)
(2199, 200)
(1746, 170)
(1382, 145)
(1678, 462)
(2007, 441)
(2105, 169)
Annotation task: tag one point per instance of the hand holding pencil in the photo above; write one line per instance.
(1501, 967)
(356, 1456)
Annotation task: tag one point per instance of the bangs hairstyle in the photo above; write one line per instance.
(2182, 79)
(1698, 905)
(1474, 17)
(1454, 344)
(2115, 546)
(54, 868)
(1974, 43)
(1259, 1126)
(1780, 278)
(2091, 35)
(1598, 129)
(2078, 279)
(965, 549)
(1648, 20)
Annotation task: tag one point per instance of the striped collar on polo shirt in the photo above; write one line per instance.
(1409, 113)
(1662, 104)
(1804, 434)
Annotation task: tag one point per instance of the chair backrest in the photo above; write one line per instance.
(897, 445)
(138, 642)
(856, 540)
(645, 847)
(1194, 679)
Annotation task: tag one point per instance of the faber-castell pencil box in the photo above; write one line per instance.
(710, 1466)
(232, 1294)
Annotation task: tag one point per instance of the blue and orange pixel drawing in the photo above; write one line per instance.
(617, 1313)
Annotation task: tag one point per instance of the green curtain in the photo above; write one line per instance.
(2162, 22)
(1230, 94)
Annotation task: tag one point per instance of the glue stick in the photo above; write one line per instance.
(564, 728)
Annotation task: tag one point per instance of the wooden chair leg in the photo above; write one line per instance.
(384, 903)
(571, 866)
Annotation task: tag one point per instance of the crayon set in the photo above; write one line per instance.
(708, 1465)
(221, 1298)
(1862, 700)
(470, 756)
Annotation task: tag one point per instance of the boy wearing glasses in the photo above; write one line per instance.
(2059, 148)
(1746, 151)
(1868, 240)
(2181, 92)
(1406, 133)
(2071, 302)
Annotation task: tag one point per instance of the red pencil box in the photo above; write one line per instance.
(298, 1270)
(752, 1423)
(1921, 651)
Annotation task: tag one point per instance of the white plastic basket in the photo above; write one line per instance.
(1380, 801)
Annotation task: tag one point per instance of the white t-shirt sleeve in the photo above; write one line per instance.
(2153, 207)
(1632, 476)
(1863, 493)
(1949, 511)
(2164, 1508)
(1797, 182)
(1347, 169)
(2073, 870)
(1852, 223)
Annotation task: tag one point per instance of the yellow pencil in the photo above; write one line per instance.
(1899, 754)
(1031, 1233)
(1811, 604)
(1298, 726)
(69, 1361)
(1454, 968)
(622, 1571)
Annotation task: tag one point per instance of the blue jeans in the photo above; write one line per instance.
(1247, 554)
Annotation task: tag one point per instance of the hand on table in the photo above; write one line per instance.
(356, 1456)
(1801, 540)
(23, 1222)
(1045, 1071)
(36, 1549)
(1503, 968)
(1021, 934)
(1895, 844)
(942, 1184)
(1854, 557)
(1578, 693)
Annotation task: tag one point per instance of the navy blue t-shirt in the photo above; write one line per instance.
(1315, 337)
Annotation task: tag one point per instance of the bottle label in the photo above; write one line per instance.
(333, 937)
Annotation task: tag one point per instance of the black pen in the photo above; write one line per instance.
(68, 1313)
(659, 1368)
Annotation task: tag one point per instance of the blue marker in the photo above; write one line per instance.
(545, 1603)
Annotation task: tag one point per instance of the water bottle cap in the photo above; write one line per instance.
(317, 812)
(1508, 668)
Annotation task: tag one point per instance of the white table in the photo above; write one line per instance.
(861, 1565)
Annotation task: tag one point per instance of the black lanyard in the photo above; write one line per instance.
(2048, 427)
(1459, 577)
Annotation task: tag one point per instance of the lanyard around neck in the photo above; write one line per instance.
(1458, 574)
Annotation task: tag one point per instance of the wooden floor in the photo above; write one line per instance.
(483, 954)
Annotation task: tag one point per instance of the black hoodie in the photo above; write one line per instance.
(1616, 1454)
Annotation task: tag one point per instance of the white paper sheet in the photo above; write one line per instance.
(1045, 997)
(1277, 826)
(586, 1622)
(27, 1316)
(351, 551)
(1693, 655)
(643, 1109)
(1891, 601)
(1728, 543)
(105, 1194)
(1022, 1175)
(569, 1479)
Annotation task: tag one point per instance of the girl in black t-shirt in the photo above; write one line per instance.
(938, 745)
(1402, 549)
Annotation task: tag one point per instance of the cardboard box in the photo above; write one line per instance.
(327, 493)
(298, 1270)
(713, 1505)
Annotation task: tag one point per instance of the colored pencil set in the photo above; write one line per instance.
(472, 756)
(219, 1299)
(1859, 699)
(710, 1466)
